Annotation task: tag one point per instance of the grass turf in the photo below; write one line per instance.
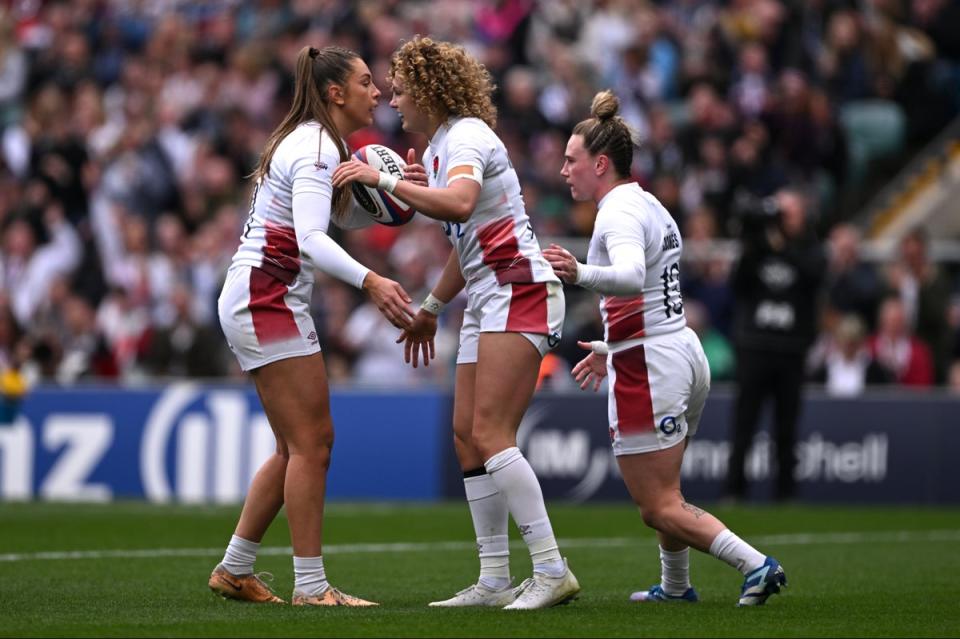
(880, 584)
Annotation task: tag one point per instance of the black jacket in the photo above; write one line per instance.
(776, 291)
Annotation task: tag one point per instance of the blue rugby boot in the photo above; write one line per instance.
(766, 580)
(656, 594)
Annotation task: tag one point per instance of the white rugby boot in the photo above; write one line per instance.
(543, 591)
(479, 596)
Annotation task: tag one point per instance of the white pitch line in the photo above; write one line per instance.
(797, 539)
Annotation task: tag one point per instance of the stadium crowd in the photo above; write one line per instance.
(128, 129)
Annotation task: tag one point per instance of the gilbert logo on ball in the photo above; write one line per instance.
(383, 207)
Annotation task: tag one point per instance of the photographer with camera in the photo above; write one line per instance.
(776, 286)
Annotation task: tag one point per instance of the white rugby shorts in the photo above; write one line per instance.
(535, 310)
(265, 319)
(657, 389)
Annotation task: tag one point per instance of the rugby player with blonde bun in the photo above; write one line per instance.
(513, 316)
(658, 373)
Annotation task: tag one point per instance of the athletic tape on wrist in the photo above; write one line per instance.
(432, 305)
(599, 347)
(387, 182)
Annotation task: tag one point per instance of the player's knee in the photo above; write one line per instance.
(463, 434)
(486, 442)
(317, 445)
(653, 516)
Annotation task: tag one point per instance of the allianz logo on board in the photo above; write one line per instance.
(196, 446)
(218, 445)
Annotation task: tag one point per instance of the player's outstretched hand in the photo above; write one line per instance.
(414, 171)
(390, 299)
(563, 262)
(353, 170)
(592, 368)
(417, 339)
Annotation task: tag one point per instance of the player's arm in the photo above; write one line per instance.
(624, 240)
(451, 280)
(418, 339)
(452, 203)
(312, 201)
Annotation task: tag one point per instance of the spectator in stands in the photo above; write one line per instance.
(716, 347)
(13, 383)
(925, 291)
(847, 366)
(895, 348)
(842, 62)
(852, 285)
(28, 268)
(182, 346)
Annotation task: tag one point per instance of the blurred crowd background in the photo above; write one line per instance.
(128, 128)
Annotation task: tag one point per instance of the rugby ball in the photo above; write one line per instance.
(383, 207)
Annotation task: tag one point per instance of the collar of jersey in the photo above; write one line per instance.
(611, 191)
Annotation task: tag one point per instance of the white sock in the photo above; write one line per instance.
(488, 509)
(517, 482)
(309, 576)
(674, 571)
(240, 556)
(729, 548)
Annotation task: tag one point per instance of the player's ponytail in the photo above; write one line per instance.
(316, 70)
(606, 133)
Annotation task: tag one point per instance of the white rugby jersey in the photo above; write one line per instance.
(634, 226)
(275, 237)
(497, 244)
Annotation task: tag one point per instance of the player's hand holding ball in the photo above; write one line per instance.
(374, 171)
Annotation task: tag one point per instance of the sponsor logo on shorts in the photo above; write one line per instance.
(669, 425)
(553, 339)
(312, 337)
(320, 166)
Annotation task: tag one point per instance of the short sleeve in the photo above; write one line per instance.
(468, 145)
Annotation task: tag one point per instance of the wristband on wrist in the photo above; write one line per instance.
(387, 182)
(432, 305)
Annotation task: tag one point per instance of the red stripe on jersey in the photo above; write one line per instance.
(272, 320)
(501, 252)
(528, 309)
(281, 254)
(624, 317)
(631, 390)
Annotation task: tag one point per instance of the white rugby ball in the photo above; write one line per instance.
(383, 207)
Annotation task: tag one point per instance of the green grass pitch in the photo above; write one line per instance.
(141, 570)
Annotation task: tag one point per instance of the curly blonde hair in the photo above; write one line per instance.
(444, 80)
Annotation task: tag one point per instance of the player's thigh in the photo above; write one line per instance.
(282, 448)
(296, 399)
(506, 377)
(652, 477)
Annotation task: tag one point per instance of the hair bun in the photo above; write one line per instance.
(313, 52)
(605, 105)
